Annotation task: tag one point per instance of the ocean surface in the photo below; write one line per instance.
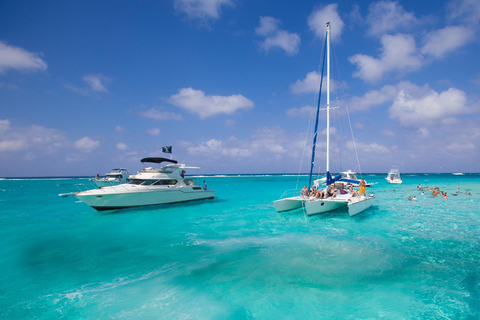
(235, 257)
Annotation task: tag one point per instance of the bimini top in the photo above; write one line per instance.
(157, 160)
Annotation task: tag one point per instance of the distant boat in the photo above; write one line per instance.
(458, 174)
(393, 176)
(115, 177)
(341, 198)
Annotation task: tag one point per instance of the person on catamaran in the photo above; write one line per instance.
(353, 192)
(304, 191)
(362, 185)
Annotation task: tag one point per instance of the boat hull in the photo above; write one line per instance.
(113, 197)
(319, 206)
(357, 205)
(287, 204)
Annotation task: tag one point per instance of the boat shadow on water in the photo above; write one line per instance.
(163, 207)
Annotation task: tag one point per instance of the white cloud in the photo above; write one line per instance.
(275, 37)
(154, 131)
(195, 101)
(399, 53)
(229, 123)
(120, 129)
(96, 82)
(388, 133)
(33, 138)
(373, 98)
(368, 148)
(86, 144)
(465, 11)
(15, 58)
(267, 144)
(428, 107)
(202, 9)
(161, 115)
(122, 146)
(303, 112)
(442, 41)
(423, 132)
(388, 16)
(311, 83)
(317, 21)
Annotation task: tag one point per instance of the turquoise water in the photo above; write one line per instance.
(235, 257)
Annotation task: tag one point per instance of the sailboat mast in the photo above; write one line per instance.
(328, 97)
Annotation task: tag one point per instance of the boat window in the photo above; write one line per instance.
(149, 182)
(166, 182)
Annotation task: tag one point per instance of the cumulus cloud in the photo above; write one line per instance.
(122, 146)
(154, 131)
(318, 19)
(202, 9)
(399, 53)
(120, 129)
(373, 98)
(161, 115)
(96, 82)
(33, 138)
(276, 37)
(387, 16)
(268, 144)
(311, 83)
(303, 112)
(465, 11)
(15, 58)
(442, 41)
(86, 144)
(388, 133)
(428, 107)
(414, 105)
(195, 101)
(368, 148)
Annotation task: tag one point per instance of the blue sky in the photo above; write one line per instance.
(86, 86)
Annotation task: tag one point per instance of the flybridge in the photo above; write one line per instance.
(158, 160)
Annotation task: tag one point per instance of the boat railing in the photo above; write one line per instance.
(290, 193)
(75, 188)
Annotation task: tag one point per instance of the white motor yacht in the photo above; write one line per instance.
(115, 177)
(149, 186)
(393, 176)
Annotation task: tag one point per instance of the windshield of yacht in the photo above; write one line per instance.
(153, 182)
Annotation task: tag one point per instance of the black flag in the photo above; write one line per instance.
(167, 149)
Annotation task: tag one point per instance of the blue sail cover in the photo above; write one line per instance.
(331, 180)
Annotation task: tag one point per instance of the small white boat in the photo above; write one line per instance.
(341, 198)
(149, 186)
(349, 177)
(115, 177)
(393, 176)
(458, 174)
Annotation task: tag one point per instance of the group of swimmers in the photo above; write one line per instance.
(436, 192)
(331, 191)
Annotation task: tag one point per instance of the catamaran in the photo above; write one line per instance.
(334, 196)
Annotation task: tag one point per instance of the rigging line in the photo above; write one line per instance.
(354, 144)
(303, 151)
